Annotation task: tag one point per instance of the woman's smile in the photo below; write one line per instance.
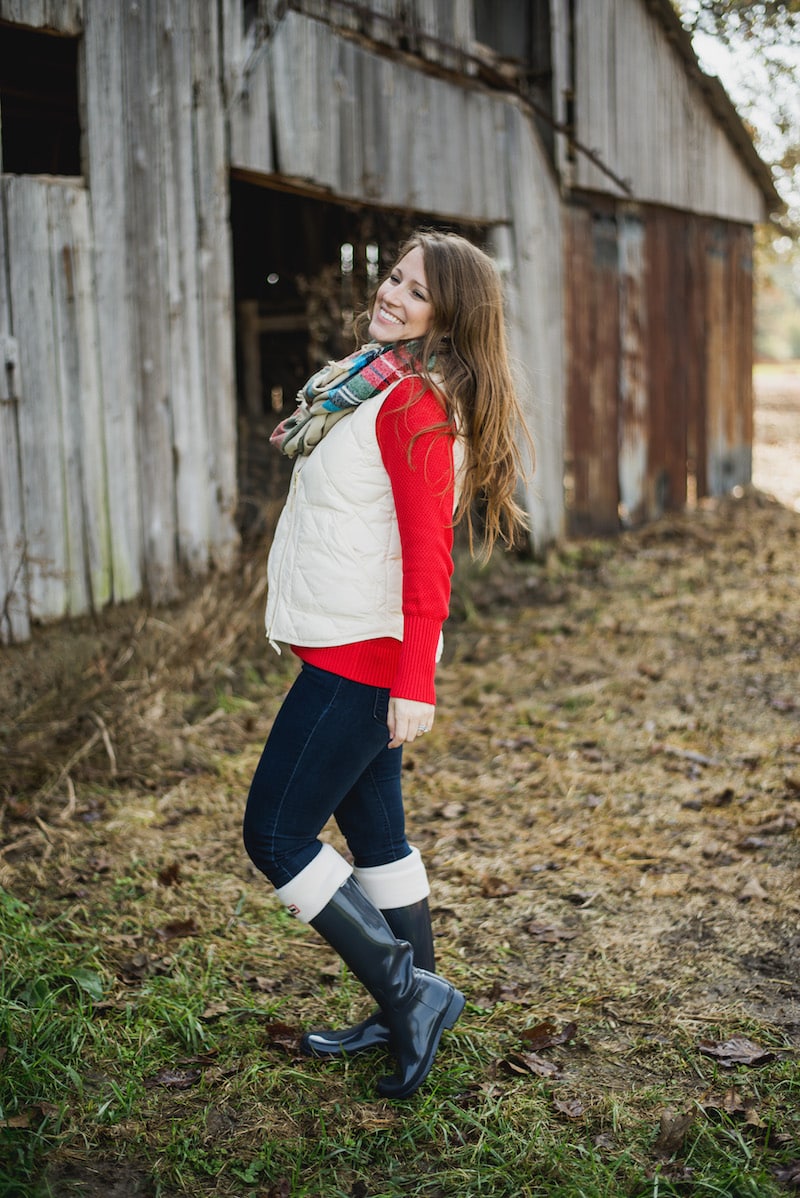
(403, 310)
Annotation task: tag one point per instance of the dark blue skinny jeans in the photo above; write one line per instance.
(326, 755)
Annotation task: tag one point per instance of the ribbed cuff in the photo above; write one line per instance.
(314, 887)
(397, 884)
(415, 671)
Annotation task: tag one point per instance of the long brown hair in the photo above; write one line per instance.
(467, 342)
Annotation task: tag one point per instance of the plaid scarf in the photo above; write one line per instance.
(339, 388)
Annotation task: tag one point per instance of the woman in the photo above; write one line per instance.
(388, 442)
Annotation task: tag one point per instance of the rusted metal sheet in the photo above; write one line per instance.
(659, 330)
(688, 256)
(671, 350)
(592, 300)
(729, 419)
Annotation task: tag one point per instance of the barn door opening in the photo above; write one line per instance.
(303, 269)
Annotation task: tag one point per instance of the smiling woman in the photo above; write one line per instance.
(390, 444)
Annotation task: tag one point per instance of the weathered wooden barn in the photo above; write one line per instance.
(195, 194)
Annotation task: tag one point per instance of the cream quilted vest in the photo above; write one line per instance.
(335, 569)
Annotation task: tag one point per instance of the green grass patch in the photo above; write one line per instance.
(185, 1082)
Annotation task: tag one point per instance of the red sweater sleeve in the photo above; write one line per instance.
(422, 487)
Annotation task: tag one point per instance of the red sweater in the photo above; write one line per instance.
(423, 498)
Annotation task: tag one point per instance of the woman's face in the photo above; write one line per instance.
(403, 308)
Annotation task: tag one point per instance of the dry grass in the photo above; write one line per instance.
(625, 717)
(609, 806)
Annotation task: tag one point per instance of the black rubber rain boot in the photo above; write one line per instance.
(417, 1006)
(412, 924)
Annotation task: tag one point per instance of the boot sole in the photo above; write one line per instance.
(450, 1017)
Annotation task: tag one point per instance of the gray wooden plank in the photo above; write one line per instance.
(188, 413)
(88, 525)
(40, 433)
(107, 165)
(14, 618)
(217, 380)
(65, 16)
(146, 231)
(65, 406)
(535, 299)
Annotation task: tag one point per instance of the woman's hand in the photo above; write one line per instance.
(407, 720)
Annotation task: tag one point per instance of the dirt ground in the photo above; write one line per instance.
(608, 804)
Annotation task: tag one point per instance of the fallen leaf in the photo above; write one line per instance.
(170, 875)
(145, 966)
(492, 887)
(178, 928)
(282, 1036)
(262, 984)
(733, 1105)
(672, 1132)
(215, 1009)
(30, 1116)
(90, 982)
(174, 1079)
(573, 1108)
(548, 933)
(507, 991)
(736, 1051)
(529, 1062)
(282, 1190)
(503, 992)
(545, 1035)
(732, 1101)
(789, 1174)
(23, 1119)
(201, 1058)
